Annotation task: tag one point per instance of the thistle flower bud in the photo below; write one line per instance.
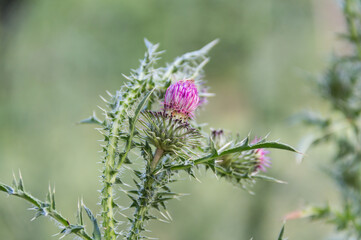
(181, 99)
(234, 165)
(262, 159)
(218, 138)
(169, 134)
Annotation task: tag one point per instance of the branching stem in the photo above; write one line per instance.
(51, 212)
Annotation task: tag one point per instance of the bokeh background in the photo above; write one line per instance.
(57, 57)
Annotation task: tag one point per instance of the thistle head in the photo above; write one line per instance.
(224, 141)
(262, 160)
(181, 99)
(168, 133)
(251, 161)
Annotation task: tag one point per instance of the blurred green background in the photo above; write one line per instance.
(57, 57)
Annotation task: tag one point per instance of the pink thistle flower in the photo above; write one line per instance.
(262, 159)
(181, 99)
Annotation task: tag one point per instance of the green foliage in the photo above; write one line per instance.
(96, 231)
(341, 88)
(128, 127)
(45, 208)
(141, 81)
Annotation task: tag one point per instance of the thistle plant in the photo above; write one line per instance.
(154, 115)
(340, 86)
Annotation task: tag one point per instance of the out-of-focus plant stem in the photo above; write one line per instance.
(350, 19)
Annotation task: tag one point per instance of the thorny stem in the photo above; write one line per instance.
(51, 213)
(107, 192)
(196, 162)
(110, 173)
(111, 167)
(141, 80)
(145, 198)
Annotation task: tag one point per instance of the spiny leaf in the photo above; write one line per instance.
(6, 188)
(261, 144)
(21, 182)
(168, 194)
(267, 178)
(142, 104)
(241, 147)
(280, 237)
(132, 126)
(127, 161)
(209, 46)
(115, 205)
(118, 181)
(91, 120)
(15, 182)
(69, 230)
(160, 200)
(189, 59)
(137, 173)
(51, 197)
(45, 209)
(133, 191)
(37, 214)
(96, 231)
(213, 149)
(211, 166)
(79, 214)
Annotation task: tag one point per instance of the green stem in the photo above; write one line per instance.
(145, 198)
(196, 162)
(51, 212)
(158, 154)
(141, 83)
(140, 214)
(350, 19)
(109, 175)
(111, 167)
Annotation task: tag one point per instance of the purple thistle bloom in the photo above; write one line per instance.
(181, 99)
(262, 159)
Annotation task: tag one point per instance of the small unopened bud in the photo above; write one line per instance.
(218, 138)
(262, 159)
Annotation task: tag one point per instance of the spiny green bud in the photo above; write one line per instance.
(170, 134)
(246, 162)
